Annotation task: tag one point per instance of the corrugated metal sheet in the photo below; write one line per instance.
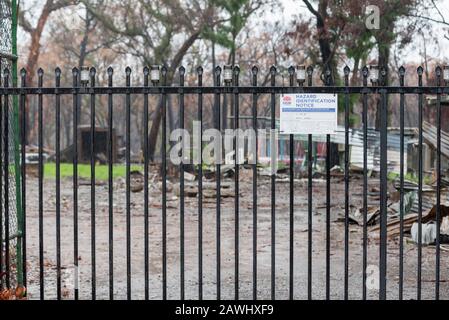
(356, 144)
(430, 133)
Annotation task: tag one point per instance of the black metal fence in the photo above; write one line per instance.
(290, 266)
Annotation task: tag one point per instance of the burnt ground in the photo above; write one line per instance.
(227, 244)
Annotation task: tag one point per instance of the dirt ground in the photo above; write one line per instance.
(227, 244)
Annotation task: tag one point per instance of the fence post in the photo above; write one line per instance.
(383, 190)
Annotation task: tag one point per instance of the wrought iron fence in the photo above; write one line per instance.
(155, 85)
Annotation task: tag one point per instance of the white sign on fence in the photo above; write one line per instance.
(308, 113)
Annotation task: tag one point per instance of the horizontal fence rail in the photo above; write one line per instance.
(223, 90)
(113, 243)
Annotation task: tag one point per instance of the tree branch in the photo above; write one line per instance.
(428, 19)
(24, 23)
(312, 10)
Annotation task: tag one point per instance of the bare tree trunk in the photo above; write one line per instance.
(31, 66)
(384, 58)
(355, 73)
(172, 124)
(66, 119)
(174, 66)
(83, 53)
(152, 137)
(327, 55)
(34, 53)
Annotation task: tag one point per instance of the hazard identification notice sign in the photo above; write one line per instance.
(308, 113)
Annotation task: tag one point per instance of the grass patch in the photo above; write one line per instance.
(101, 171)
(409, 177)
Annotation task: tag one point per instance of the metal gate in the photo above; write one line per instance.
(82, 243)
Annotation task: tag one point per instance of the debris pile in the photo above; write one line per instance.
(411, 209)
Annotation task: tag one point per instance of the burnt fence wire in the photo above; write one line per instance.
(102, 281)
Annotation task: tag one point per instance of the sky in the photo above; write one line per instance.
(295, 7)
